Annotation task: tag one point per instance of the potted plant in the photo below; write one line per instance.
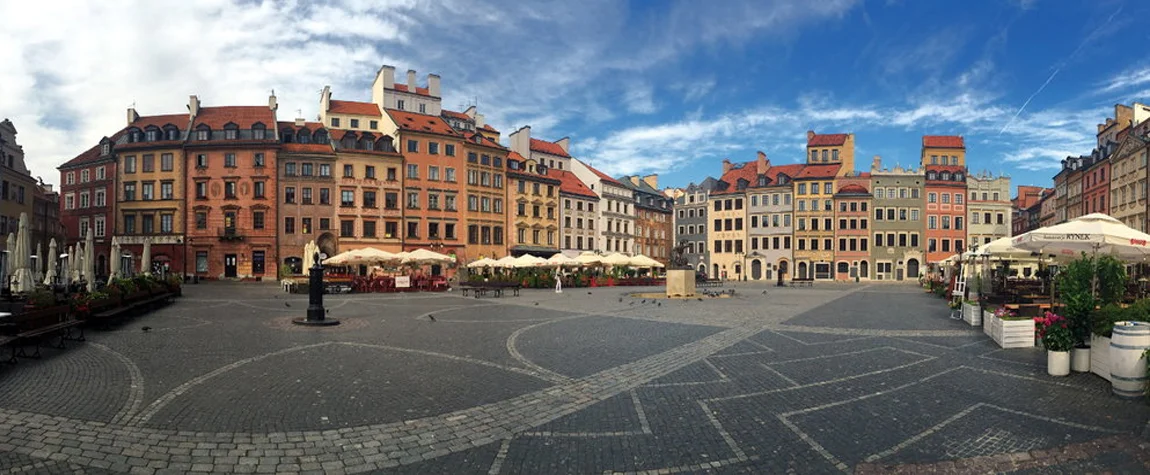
(40, 298)
(1058, 339)
(972, 312)
(1009, 330)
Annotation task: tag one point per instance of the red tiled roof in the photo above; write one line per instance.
(603, 176)
(306, 148)
(243, 116)
(942, 141)
(748, 171)
(570, 183)
(418, 90)
(91, 154)
(819, 171)
(311, 126)
(457, 115)
(946, 168)
(544, 146)
(774, 171)
(178, 120)
(486, 141)
(429, 124)
(827, 140)
(353, 108)
(488, 128)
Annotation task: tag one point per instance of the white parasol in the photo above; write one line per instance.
(563, 261)
(114, 269)
(146, 259)
(1095, 233)
(485, 262)
(38, 263)
(505, 262)
(644, 261)
(589, 258)
(90, 260)
(22, 278)
(424, 256)
(617, 259)
(51, 258)
(308, 255)
(528, 260)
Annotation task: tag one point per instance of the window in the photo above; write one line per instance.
(347, 198)
(129, 191)
(946, 198)
(166, 224)
(354, 123)
(70, 178)
(450, 203)
(201, 262)
(335, 121)
(202, 160)
(931, 197)
(432, 201)
(147, 192)
(369, 199)
(84, 199)
(932, 222)
(827, 187)
(201, 190)
(229, 190)
(413, 200)
(449, 175)
(413, 146)
(433, 173)
(958, 198)
(449, 150)
(306, 169)
(84, 176)
(129, 224)
(201, 220)
(129, 164)
(259, 189)
(412, 171)
(433, 148)
(289, 194)
(101, 198)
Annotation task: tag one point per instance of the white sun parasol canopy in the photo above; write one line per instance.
(505, 262)
(1001, 249)
(563, 261)
(1093, 233)
(589, 258)
(424, 256)
(644, 261)
(528, 260)
(485, 262)
(617, 259)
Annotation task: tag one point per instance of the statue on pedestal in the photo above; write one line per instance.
(678, 257)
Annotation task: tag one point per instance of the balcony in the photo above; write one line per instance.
(231, 234)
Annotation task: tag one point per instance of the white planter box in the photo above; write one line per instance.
(971, 314)
(1100, 356)
(1010, 333)
(986, 316)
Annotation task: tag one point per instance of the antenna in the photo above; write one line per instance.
(273, 91)
(299, 112)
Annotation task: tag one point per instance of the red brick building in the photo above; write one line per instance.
(852, 234)
(231, 171)
(944, 161)
(90, 177)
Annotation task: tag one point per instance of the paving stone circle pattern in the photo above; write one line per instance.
(832, 379)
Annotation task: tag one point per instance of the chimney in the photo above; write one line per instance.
(564, 143)
(325, 100)
(652, 181)
(726, 166)
(388, 73)
(762, 162)
(810, 136)
(272, 104)
(480, 121)
(193, 105)
(634, 180)
(470, 112)
(876, 164)
(132, 115)
(300, 121)
(411, 81)
(433, 85)
(521, 141)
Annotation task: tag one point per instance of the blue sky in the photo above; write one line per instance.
(668, 87)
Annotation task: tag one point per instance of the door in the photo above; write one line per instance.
(756, 269)
(257, 262)
(912, 268)
(229, 265)
(802, 270)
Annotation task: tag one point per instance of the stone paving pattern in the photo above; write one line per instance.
(838, 378)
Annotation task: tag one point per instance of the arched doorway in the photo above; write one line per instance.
(802, 270)
(756, 269)
(912, 268)
(715, 268)
(702, 269)
(864, 270)
(843, 270)
(294, 264)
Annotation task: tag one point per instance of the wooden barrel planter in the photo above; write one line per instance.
(1127, 363)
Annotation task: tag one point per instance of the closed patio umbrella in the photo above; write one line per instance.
(50, 258)
(114, 265)
(23, 280)
(89, 260)
(146, 259)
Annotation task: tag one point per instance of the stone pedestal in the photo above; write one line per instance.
(680, 282)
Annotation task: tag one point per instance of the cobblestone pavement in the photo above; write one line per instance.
(838, 378)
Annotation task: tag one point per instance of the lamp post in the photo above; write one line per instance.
(315, 310)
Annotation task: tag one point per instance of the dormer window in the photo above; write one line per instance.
(203, 132)
(287, 136)
(957, 177)
(106, 148)
(152, 134)
(931, 176)
(945, 176)
(231, 132)
(171, 133)
(321, 137)
(762, 181)
(134, 135)
(259, 132)
(304, 136)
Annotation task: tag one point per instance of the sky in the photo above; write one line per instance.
(668, 87)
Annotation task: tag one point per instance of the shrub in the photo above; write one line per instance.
(42, 298)
(1054, 330)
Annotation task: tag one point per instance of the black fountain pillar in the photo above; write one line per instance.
(315, 310)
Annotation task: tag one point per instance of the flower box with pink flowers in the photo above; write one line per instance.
(1009, 330)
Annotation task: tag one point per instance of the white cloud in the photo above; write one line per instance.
(1128, 79)
(640, 99)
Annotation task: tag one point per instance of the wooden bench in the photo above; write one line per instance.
(496, 289)
(802, 282)
(132, 308)
(34, 325)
